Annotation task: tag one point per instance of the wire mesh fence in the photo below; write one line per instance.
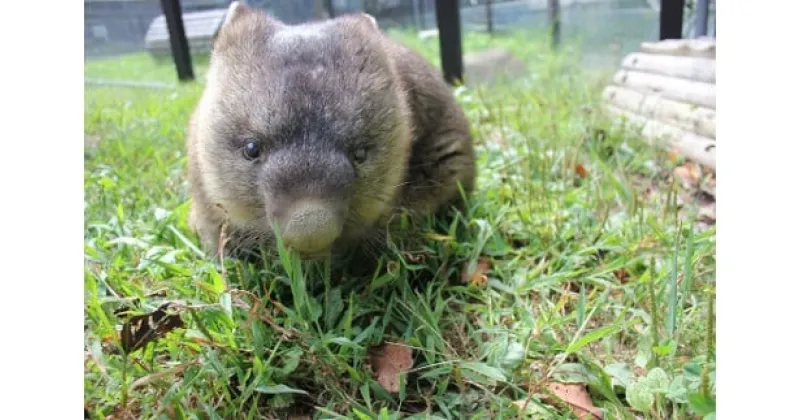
(605, 30)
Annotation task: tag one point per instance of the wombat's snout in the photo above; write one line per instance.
(307, 195)
(310, 226)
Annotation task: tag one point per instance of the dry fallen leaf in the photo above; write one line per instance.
(389, 362)
(707, 213)
(124, 413)
(622, 275)
(685, 199)
(476, 276)
(710, 187)
(581, 171)
(142, 329)
(414, 258)
(576, 396)
(674, 156)
(536, 333)
(688, 174)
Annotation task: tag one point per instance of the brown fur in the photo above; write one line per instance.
(311, 95)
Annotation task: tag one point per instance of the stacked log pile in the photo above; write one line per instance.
(668, 90)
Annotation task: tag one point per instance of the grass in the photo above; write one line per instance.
(590, 280)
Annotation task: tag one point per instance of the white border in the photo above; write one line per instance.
(757, 165)
(41, 171)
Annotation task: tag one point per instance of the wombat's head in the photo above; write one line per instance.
(302, 128)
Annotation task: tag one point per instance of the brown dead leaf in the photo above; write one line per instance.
(414, 258)
(707, 213)
(710, 187)
(577, 397)
(142, 329)
(688, 174)
(390, 361)
(125, 413)
(572, 287)
(476, 276)
(581, 171)
(684, 199)
(622, 275)
(674, 156)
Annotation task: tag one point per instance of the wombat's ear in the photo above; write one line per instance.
(370, 19)
(235, 11)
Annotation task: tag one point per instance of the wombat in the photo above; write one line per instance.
(321, 132)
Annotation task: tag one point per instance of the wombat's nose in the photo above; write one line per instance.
(310, 226)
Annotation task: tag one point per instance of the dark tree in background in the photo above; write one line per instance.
(489, 19)
(554, 19)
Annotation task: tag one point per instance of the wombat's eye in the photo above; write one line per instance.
(251, 150)
(360, 155)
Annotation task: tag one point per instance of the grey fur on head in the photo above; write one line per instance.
(320, 130)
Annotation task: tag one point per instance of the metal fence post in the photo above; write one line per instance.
(554, 18)
(489, 17)
(671, 19)
(701, 18)
(448, 20)
(331, 10)
(177, 39)
(415, 12)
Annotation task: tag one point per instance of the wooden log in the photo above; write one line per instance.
(682, 47)
(200, 28)
(697, 148)
(700, 69)
(692, 92)
(697, 119)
